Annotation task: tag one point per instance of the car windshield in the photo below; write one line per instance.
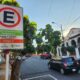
(68, 60)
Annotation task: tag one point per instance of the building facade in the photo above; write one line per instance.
(72, 39)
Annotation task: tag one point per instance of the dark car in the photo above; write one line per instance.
(64, 65)
(78, 60)
(45, 56)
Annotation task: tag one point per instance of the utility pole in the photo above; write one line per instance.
(62, 34)
(61, 31)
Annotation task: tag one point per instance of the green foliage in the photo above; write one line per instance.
(71, 49)
(56, 38)
(14, 3)
(26, 20)
(40, 49)
(54, 51)
(63, 49)
(7, 2)
(52, 36)
(30, 29)
(33, 29)
(39, 39)
(47, 48)
(30, 48)
(33, 24)
(48, 32)
(1, 1)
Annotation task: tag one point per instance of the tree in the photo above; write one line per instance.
(48, 32)
(64, 50)
(47, 48)
(13, 3)
(53, 38)
(49, 35)
(56, 40)
(30, 29)
(1, 1)
(71, 49)
(39, 41)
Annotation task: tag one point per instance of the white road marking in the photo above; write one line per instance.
(42, 76)
(36, 77)
(53, 77)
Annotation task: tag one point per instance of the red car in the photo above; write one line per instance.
(45, 56)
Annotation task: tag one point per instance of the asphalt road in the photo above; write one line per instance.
(35, 68)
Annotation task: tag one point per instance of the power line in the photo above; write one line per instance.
(69, 25)
(71, 11)
(75, 20)
(50, 7)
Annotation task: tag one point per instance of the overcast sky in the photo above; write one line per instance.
(65, 12)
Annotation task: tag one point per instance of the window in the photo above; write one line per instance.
(67, 44)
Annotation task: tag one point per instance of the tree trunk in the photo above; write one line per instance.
(15, 70)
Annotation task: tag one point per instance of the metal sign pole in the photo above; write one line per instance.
(7, 67)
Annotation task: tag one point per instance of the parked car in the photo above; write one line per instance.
(78, 61)
(64, 65)
(45, 56)
(2, 60)
(11, 60)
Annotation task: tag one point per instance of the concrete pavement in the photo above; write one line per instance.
(33, 65)
(2, 71)
(35, 68)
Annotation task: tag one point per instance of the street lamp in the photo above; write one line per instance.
(61, 30)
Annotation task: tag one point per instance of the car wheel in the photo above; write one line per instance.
(78, 71)
(62, 71)
(49, 66)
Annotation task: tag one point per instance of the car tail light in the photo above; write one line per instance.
(65, 64)
(77, 63)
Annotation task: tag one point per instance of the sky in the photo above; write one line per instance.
(62, 12)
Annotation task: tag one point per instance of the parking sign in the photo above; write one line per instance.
(11, 27)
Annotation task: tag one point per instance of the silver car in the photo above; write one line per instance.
(1, 59)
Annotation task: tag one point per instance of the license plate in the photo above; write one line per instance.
(73, 70)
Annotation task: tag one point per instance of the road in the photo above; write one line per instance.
(35, 68)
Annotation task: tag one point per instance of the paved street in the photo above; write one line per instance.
(35, 68)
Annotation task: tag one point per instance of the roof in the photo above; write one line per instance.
(72, 32)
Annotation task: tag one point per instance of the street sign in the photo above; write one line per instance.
(11, 27)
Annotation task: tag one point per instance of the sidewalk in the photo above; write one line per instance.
(2, 71)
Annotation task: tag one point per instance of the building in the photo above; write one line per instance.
(72, 39)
